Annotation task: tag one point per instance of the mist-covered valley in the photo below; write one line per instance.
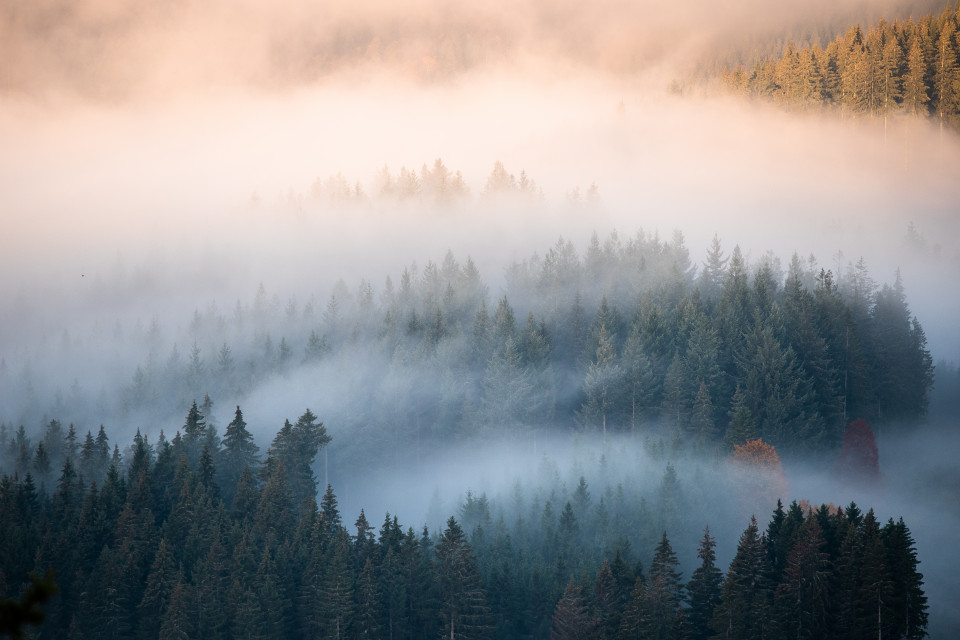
(510, 258)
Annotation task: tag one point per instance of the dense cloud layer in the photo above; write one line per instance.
(106, 50)
(208, 199)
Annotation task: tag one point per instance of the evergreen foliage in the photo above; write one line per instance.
(259, 568)
(910, 67)
(650, 348)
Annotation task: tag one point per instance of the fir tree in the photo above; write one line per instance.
(571, 620)
(704, 589)
(463, 607)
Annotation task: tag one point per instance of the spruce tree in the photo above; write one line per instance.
(571, 619)
(238, 451)
(800, 605)
(463, 606)
(907, 602)
(915, 89)
(664, 592)
(743, 609)
(704, 589)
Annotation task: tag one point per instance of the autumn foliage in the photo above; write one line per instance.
(758, 475)
(757, 454)
(859, 459)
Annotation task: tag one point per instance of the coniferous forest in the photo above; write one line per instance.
(431, 407)
(904, 67)
(153, 547)
(705, 377)
(633, 337)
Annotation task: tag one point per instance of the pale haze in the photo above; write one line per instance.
(159, 160)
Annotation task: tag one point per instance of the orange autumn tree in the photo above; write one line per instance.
(757, 476)
(757, 454)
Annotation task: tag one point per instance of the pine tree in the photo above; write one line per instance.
(364, 545)
(742, 427)
(211, 605)
(608, 602)
(702, 427)
(704, 589)
(394, 592)
(296, 446)
(676, 397)
(711, 276)
(161, 581)
(846, 581)
(640, 383)
(743, 598)
(331, 514)
(901, 364)
(463, 606)
(194, 432)
(635, 617)
(238, 451)
(176, 623)
(601, 386)
(369, 610)
(801, 597)
(907, 602)
(664, 592)
(571, 620)
(946, 87)
(915, 89)
(778, 393)
(874, 589)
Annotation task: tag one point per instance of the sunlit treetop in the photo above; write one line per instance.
(757, 454)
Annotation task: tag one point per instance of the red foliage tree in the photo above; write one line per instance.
(859, 459)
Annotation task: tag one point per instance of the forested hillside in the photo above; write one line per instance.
(632, 337)
(907, 67)
(196, 537)
(682, 381)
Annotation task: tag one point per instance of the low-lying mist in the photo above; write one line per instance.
(152, 204)
(208, 199)
(516, 478)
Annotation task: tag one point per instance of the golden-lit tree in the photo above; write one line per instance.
(757, 454)
(757, 475)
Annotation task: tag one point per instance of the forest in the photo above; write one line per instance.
(630, 337)
(681, 387)
(430, 405)
(910, 67)
(196, 537)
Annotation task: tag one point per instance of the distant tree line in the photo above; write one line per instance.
(910, 67)
(198, 537)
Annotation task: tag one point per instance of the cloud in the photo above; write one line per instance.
(110, 51)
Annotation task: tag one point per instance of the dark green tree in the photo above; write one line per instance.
(463, 604)
(704, 589)
(743, 609)
(571, 619)
(238, 451)
(664, 592)
(907, 602)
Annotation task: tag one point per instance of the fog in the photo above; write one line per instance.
(206, 199)
(105, 51)
(918, 484)
(164, 161)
